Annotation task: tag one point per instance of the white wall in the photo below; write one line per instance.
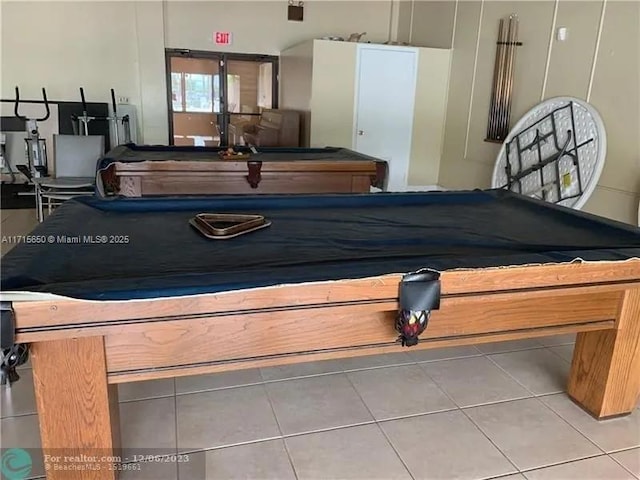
(428, 116)
(154, 110)
(333, 94)
(63, 46)
(66, 45)
(120, 44)
(262, 26)
(607, 74)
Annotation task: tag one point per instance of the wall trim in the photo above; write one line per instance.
(596, 51)
(617, 190)
(425, 188)
(414, 188)
(455, 23)
(394, 20)
(141, 120)
(473, 79)
(413, 5)
(549, 49)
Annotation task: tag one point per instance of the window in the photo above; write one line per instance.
(195, 92)
(176, 91)
(216, 94)
(198, 92)
(233, 93)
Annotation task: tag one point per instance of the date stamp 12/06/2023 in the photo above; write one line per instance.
(20, 464)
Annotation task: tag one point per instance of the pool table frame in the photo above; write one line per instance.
(81, 349)
(185, 177)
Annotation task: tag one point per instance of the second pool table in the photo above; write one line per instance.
(138, 171)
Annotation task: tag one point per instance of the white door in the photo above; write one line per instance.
(386, 83)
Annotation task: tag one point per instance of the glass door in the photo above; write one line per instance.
(195, 101)
(250, 90)
(215, 98)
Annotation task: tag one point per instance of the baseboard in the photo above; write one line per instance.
(424, 188)
(413, 188)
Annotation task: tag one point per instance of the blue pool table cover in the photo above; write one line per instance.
(312, 238)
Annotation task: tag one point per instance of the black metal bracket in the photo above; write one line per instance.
(419, 294)
(542, 163)
(12, 355)
(7, 325)
(254, 177)
(516, 172)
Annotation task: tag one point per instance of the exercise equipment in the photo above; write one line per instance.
(81, 122)
(36, 147)
(5, 164)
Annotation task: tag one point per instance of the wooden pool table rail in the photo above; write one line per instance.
(47, 315)
(140, 340)
(171, 177)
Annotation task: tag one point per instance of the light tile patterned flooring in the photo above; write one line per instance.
(15, 222)
(453, 413)
(491, 411)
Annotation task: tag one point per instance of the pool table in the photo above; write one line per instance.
(124, 290)
(138, 171)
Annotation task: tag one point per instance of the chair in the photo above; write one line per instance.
(238, 123)
(75, 170)
(277, 128)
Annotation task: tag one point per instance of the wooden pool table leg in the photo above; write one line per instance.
(77, 409)
(605, 372)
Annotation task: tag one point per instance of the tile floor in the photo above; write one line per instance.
(487, 412)
(495, 411)
(15, 222)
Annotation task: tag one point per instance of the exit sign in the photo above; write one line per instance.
(222, 38)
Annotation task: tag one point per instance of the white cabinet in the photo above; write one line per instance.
(382, 100)
(384, 108)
